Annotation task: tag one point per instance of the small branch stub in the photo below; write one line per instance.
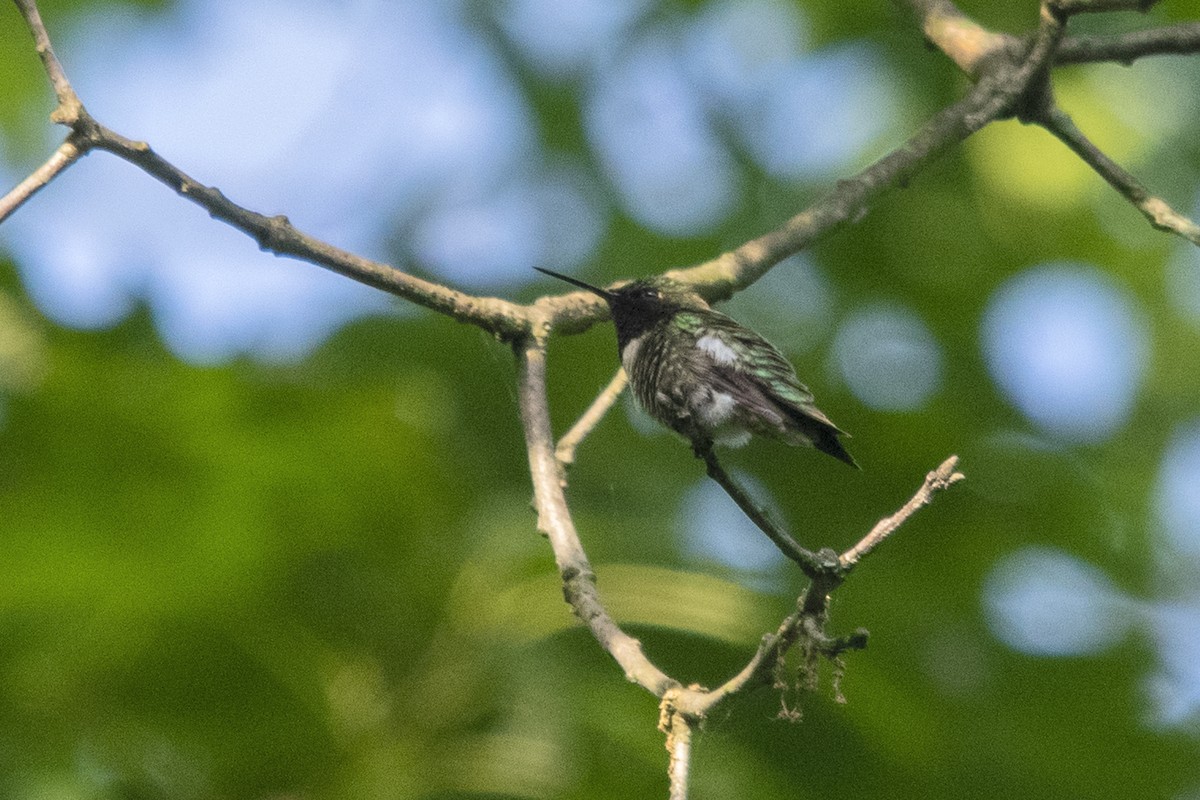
(942, 478)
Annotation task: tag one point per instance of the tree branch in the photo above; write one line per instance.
(942, 478)
(758, 669)
(962, 39)
(720, 278)
(998, 94)
(1011, 79)
(1181, 39)
(1072, 7)
(811, 564)
(967, 43)
(554, 521)
(951, 28)
(275, 234)
(717, 279)
(813, 602)
(565, 451)
(678, 730)
(67, 98)
(1153, 208)
(66, 155)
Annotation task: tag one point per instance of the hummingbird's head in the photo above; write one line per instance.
(646, 297)
(638, 305)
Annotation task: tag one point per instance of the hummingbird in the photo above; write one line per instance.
(706, 376)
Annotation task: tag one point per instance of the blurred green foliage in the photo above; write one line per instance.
(322, 579)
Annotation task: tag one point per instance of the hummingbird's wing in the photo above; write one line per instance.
(754, 371)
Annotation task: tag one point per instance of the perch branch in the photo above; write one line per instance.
(810, 563)
(813, 603)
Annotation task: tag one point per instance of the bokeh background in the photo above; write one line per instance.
(266, 533)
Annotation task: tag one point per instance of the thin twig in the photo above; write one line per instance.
(826, 577)
(998, 94)
(275, 234)
(1155, 209)
(1036, 104)
(1072, 7)
(942, 478)
(66, 155)
(67, 99)
(757, 670)
(810, 618)
(1125, 48)
(721, 277)
(813, 603)
(810, 563)
(967, 43)
(565, 451)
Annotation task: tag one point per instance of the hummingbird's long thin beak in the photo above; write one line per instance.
(607, 295)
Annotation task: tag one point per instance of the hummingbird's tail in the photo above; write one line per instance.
(816, 429)
(826, 440)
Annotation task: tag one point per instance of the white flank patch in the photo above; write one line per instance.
(721, 352)
(738, 438)
(715, 413)
(717, 409)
